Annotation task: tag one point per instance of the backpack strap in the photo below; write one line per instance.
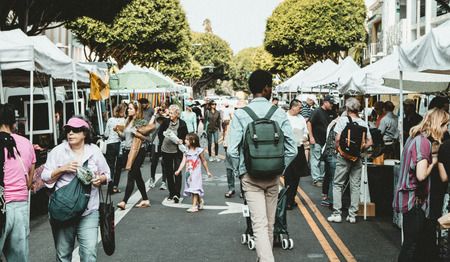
(250, 113)
(350, 119)
(271, 112)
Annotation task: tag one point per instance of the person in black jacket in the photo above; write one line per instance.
(171, 155)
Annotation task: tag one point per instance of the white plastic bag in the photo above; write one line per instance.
(172, 137)
(101, 143)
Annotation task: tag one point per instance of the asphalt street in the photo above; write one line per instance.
(166, 232)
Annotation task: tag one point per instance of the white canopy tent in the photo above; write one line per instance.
(346, 67)
(289, 86)
(430, 53)
(312, 74)
(17, 52)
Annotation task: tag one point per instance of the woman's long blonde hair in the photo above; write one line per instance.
(431, 124)
(139, 112)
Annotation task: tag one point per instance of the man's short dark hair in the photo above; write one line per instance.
(143, 101)
(294, 102)
(259, 80)
(7, 115)
(389, 106)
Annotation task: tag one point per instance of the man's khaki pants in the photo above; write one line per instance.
(262, 196)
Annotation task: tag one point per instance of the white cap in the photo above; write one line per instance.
(313, 98)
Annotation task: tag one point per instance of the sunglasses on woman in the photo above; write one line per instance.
(73, 129)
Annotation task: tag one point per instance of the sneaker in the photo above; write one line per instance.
(218, 159)
(176, 200)
(170, 199)
(351, 220)
(326, 202)
(201, 205)
(163, 186)
(192, 210)
(211, 159)
(335, 218)
(318, 183)
(152, 183)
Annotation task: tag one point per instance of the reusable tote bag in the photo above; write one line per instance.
(107, 228)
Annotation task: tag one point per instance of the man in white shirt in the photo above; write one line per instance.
(298, 166)
(227, 114)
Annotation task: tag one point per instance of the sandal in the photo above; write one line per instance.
(121, 205)
(144, 203)
(240, 195)
(230, 193)
(116, 190)
(192, 210)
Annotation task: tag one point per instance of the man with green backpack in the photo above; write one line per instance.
(260, 147)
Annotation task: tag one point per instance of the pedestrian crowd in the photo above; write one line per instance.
(316, 138)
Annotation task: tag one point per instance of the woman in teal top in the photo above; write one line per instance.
(190, 118)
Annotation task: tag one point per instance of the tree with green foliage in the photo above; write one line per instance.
(145, 32)
(210, 50)
(301, 32)
(35, 16)
(247, 61)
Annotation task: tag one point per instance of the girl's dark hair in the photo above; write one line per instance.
(88, 133)
(193, 139)
(7, 115)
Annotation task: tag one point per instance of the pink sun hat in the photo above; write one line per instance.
(76, 122)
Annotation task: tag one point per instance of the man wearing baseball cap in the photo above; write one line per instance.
(317, 127)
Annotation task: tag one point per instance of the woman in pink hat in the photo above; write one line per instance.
(60, 169)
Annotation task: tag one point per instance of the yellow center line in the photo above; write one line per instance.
(320, 237)
(337, 241)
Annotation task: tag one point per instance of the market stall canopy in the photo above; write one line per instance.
(430, 53)
(58, 64)
(135, 77)
(313, 73)
(346, 67)
(384, 73)
(16, 51)
(289, 86)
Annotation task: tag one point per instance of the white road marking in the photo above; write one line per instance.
(230, 208)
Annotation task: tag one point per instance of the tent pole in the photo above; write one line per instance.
(99, 116)
(366, 185)
(2, 94)
(52, 109)
(400, 119)
(75, 98)
(30, 119)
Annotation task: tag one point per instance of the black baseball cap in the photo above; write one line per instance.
(329, 98)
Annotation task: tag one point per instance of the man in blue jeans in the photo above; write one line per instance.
(317, 127)
(261, 194)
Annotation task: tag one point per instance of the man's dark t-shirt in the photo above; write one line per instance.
(319, 122)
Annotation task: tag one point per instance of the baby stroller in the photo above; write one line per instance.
(280, 232)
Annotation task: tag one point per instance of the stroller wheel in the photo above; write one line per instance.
(244, 239)
(291, 243)
(285, 244)
(251, 244)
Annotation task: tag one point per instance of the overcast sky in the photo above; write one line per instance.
(239, 22)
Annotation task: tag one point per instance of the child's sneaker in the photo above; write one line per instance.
(201, 205)
(192, 210)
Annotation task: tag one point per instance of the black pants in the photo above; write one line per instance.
(135, 175)
(154, 156)
(171, 162)
(294, 171)
(112, 153)
(120, 163)
(418, 235)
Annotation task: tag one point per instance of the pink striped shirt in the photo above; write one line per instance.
(409, 188)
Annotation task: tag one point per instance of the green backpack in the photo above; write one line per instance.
(263, 146)
(69, 202)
